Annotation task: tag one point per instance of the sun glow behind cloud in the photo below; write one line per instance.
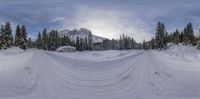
(108, 23)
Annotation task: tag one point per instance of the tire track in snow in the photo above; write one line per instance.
(117, 80)
(171, 81)
(20, 81)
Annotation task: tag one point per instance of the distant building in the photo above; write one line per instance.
(66, 49)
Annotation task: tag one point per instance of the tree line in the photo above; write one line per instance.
(7, 39)
(51, 40)
(123, 43)
(162, 37)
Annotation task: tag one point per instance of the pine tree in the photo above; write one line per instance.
(160, 36)
(176, 37)
(120, 43)
(191, 33)
(2, 39)
(30, 43)
(86, 44)
(17, 35)
(44, 40)
(113, 44)
(133, 43)
(125, 40)
(57, 40)
(51, 40)
(23, 38)
(152, 44)
(181, 37)
(77, 44)
(81, 45)
(64, 41)
(39, 41)
(8, 35)
(198, 41)
(90, 41)
(54, 40)
(144, 45)
(73, 43)
(185, 36)
(164, 35)
(188, 36)
(69, 42)
(166, 38)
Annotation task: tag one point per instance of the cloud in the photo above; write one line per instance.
(58, 20)
(109, 23)
(107, 18)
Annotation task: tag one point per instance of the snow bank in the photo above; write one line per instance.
(66, 49)
(14, 50)
(13, 57)
(181, 52)
(181, 57)
(100, 55)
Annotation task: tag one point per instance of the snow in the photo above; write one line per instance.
(132, 74)
(183, 57)
(12, 58)
(99, 56)
(14, 50)
(81, 33)
(66, 49)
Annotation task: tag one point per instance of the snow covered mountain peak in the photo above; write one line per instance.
(81, 33)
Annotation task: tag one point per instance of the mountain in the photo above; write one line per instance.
(81, 33)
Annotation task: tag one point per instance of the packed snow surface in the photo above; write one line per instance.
(133, 74)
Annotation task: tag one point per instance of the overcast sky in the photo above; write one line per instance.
(107, 18)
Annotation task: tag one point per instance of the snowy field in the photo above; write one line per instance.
(132, 74)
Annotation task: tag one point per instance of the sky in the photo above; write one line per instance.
(106, 18)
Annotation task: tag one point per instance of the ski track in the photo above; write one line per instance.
(142, 75)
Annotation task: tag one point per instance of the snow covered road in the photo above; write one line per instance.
(36, 74)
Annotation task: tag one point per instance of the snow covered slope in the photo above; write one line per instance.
(133, 74)
(81, 33)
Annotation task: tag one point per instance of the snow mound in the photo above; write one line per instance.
(180, 57)
(182, 52)
(13, 57)
(100, 55)
(13, 50)
(66, 49)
